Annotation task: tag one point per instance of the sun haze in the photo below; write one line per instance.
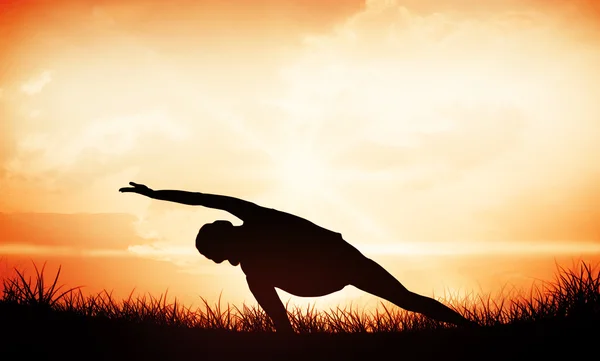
(432, 134)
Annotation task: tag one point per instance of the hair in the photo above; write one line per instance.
(214, 240)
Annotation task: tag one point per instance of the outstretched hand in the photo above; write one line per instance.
(136, 188)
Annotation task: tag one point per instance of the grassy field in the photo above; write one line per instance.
(41, 319)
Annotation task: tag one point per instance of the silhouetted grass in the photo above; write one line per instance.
(42, 320)
(574, 294)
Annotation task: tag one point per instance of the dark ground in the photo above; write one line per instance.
(48, 336)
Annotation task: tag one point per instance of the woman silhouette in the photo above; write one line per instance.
(278, 249)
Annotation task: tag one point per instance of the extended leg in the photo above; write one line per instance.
(269, 300)
(374, 279)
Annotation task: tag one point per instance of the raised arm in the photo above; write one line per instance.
(238, 207)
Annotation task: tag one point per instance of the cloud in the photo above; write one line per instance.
(186, 258)
(523, 248)
(108, 236)
(36, 84)
(7, 139)
(450, 111)
(80, 154)
(465, 138)
(570, 213)
(438, 108)
(57, 251)
(69, 231)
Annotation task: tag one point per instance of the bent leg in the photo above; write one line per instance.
(374, 279)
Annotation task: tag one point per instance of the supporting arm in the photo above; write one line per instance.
(269, 300)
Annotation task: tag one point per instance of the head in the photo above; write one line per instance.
(217, 241)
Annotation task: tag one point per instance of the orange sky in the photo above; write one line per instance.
(440, 137)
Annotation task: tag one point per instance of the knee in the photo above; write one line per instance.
(410, 301)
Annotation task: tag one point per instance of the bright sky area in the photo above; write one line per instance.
(455, 142)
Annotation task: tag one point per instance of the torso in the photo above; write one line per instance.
(296, 255)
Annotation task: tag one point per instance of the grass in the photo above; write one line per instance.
(568, 305)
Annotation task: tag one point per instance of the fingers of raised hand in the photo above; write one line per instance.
(138, 185)
(135, 187)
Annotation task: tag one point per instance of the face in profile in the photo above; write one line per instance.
(215, 241)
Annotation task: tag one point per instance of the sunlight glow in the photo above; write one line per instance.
(487, 248)
(53, 251)
(405, 126)
(302, 173)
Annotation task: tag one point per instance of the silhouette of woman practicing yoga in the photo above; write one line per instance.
(278, 249)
